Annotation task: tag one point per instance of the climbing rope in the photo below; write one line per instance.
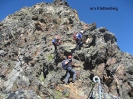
(96, 79)
(91, 92)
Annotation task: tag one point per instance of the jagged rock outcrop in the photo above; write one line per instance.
(28, 67)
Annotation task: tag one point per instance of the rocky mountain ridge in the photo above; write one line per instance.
(29, 69)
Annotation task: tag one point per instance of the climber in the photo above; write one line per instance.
(67, 65)
(56, 42)
(78, 38)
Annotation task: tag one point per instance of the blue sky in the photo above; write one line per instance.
(118, 22)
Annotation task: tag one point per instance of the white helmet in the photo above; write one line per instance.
(81, 31)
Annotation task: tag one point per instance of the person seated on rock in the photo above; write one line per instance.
(56, 42)
(78, 38)
(67, 65)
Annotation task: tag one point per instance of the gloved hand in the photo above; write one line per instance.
(66, 62)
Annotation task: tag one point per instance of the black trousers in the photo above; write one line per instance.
(78, 44)
(55, 46)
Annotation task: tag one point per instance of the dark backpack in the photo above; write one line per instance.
(64, 66)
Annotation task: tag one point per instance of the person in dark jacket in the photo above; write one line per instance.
(69, 69)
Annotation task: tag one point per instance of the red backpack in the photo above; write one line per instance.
(74, 36)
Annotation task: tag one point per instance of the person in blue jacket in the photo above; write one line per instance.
(56, 42)
(79, 40)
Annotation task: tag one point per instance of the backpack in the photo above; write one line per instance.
(75, 36)
(64, 66)
(54, 40)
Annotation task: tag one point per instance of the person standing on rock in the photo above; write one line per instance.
(67, 65)
(56, 42)
(78, 38)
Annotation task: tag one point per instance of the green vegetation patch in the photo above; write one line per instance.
(50, 57)
(66, 95)
(58, 95)
(41, 77)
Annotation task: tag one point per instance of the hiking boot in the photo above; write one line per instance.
(73, 81)
(63, 82)
(66, 83)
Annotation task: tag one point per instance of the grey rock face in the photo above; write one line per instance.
(23, 94)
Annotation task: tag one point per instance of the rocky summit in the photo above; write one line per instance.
(30, 70)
